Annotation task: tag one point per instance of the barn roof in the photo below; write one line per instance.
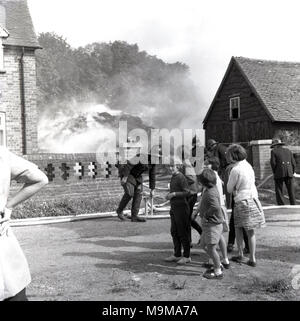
(17, 21)
(276, 84)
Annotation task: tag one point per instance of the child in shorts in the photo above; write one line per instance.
(212, 221)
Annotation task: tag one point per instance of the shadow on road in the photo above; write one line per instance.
(141, 258)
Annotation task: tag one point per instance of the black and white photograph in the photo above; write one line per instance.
(149, 152)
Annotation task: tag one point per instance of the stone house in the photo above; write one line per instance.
(18, 110)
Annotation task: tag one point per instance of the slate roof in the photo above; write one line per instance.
(19, 24)
(276, 84)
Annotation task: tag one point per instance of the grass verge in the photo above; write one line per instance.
(64, 207)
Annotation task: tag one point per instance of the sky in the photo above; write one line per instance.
(202, 34)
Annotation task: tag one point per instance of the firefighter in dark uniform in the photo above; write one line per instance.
(131, 175)
(283, 166)
(215, 149)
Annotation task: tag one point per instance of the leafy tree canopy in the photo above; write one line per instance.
(116, 73)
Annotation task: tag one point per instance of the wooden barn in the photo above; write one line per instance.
(257, 100)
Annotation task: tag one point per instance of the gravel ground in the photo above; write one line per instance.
(107, 260)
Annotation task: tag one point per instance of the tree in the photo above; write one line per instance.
(115, 73)
(58, 73)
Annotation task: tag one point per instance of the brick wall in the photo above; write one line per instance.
(10, 99)
(88, 179)
(30, 101)
(261, 155)
(79, 175)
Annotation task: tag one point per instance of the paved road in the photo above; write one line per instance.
(106, 259)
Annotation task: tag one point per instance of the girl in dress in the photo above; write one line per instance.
(248, 212)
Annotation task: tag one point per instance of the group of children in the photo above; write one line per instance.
(212, 211)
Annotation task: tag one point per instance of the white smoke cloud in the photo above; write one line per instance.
(83, 128)
(76, 131)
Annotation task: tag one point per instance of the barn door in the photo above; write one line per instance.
(234, 131)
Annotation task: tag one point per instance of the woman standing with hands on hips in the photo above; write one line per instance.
(248, 212)
(14, 271)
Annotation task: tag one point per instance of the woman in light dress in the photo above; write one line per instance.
(248, 212)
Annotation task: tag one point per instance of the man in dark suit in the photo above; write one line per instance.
(131, 175)
(283, 166)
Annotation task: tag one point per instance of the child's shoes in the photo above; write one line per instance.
(184, 260)
(210, 274)
(173, 258)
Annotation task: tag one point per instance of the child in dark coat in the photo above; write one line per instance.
(212, 221)
(180, 216)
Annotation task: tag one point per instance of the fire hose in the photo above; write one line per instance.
(149, 202)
